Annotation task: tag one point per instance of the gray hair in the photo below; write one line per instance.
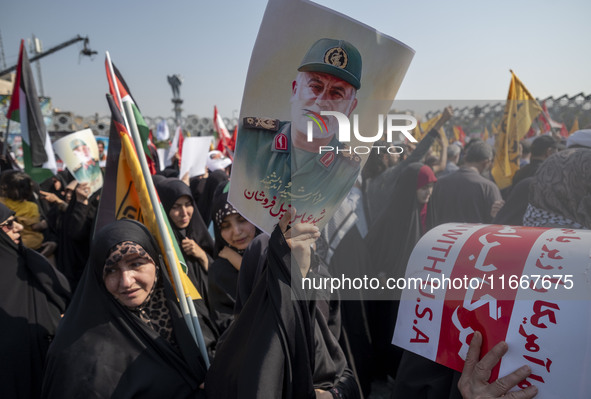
(478, 152)
(453, 151)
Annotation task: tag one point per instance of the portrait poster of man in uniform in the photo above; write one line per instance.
(308, 59)
(80, 154)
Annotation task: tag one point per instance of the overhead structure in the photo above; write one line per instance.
(86, 51)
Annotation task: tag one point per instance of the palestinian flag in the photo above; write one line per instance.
(125, 95)
(24, 107)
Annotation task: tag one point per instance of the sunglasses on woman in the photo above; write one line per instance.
(9, 223)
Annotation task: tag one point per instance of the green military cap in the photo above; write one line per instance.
(336, 57)
(76, 143)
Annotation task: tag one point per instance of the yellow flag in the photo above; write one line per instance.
(575, 126)
(425, 127)
(521, 109)
(495, 127)
(485, 134)
(133, 202)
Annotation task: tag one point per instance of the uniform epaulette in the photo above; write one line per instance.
(261, 123)
(346, 152)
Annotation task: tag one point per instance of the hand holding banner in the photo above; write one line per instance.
(526, 286)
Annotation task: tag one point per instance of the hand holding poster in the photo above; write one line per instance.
(309, 60)
(526, 286)
(79, 151)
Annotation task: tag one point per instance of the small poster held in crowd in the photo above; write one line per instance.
(162, 157)
(307, 60)
(80, 153)
(102, 143)
(194, 155)
(527, 286)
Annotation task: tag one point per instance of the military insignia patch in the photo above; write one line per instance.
(336, 56)
(348, 155)
(281, 142)
(327, 159)
(261, 123)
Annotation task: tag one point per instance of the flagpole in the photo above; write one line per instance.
(5, 139)
(201, 341)
(189, 312)
(116, 86)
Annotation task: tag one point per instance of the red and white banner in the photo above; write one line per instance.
(527, 286)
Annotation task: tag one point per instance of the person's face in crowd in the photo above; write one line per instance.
(182, 211)
(131, 279)
(391, 159)
(424, 193)
(69, 192)
(237, 231)
(57, 185)
(12, 228)
(82, 152)
(317, 91)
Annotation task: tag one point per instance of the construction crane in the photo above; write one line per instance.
(2, 59)
(85, 51)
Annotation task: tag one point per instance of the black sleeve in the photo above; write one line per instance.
(222, 281)
(383, 186)
(422, 148)
(250, 269)
(346, 387)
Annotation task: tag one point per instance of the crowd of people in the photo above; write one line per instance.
(94, 314)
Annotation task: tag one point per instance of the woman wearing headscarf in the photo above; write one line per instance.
(33, 296)
(233, 234)
(280, 344)
(75, 232)
(124, 335)
(189, 230)
(560, 194)
(16, 192)
(391, 240)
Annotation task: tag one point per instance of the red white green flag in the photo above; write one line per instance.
(125, 94)
(24, 107)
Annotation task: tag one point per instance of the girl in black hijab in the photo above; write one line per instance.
(190, 231)
(124, 335)
(233, 234)
(33, 296)
(280, 345)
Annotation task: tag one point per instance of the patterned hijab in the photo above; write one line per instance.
(219, 210)
(153, 311)
(560, 193)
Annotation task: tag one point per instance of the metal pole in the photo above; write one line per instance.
(50, 51)
(116, 86)
(195, 329)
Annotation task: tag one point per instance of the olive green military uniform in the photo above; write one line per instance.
(313, 183)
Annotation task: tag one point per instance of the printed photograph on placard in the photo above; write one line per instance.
(309, 60)
(102, 143)
(80, 153)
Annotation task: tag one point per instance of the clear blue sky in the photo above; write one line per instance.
(464, 49)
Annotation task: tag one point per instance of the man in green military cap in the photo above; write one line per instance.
(88, 169)
(290, 168)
